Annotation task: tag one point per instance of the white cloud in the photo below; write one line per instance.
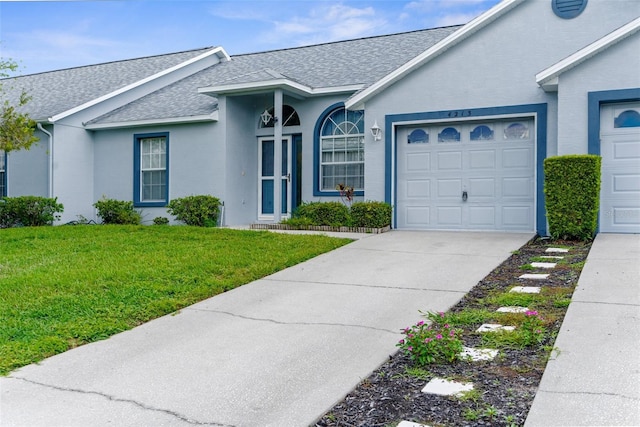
(325, 23)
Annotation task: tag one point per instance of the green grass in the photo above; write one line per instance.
(61, 287)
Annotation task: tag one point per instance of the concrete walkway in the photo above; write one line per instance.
(595, 378)
(276, 352)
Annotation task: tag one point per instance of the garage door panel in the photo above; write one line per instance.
(450, 188)
(517, 158)
(517, 216)
(482, 159)
(517, 187)
(418, 162)
(626, 216)
(482, 216)
(451, 160)
(418, 188)
(418, 216)
(482, 187)
(629, 183)
(449, 216)
(626, 150)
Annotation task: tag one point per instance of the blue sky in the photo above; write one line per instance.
(49, 35)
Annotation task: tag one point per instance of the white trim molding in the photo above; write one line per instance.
(548, 79)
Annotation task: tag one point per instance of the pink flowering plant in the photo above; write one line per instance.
(532, 329)
(435, 343)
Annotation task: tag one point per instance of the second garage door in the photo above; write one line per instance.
(466, 176)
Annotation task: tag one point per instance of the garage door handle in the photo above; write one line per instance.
(465, 196)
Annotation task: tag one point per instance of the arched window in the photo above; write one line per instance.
(481, 133)
(449, 134)
(627, 119)
(291, 117)
(342, 150)
(418, 136)
(516, 131)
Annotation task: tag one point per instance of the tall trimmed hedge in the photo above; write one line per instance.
(572, 191)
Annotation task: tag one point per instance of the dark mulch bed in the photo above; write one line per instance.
(507, 384)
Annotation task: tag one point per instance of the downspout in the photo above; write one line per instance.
(50, 158)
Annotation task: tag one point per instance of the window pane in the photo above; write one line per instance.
(342, 150)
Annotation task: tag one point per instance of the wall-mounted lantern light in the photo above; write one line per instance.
(266, 117)
(376, 131)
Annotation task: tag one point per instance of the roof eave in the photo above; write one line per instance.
(548, 79)
(287, 85)
(213, 117)
(358, 100)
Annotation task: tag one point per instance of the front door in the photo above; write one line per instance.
(268, 179)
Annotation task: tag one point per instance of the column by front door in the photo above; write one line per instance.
(267, 179)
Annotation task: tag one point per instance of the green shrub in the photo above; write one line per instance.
(333, 214)
(298, 221)
(160, 220)
(572, 191)
(201, 211)
(117, 212)
(29, 211)
(371, 214)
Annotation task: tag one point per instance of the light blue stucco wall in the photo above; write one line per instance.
(195, 163)
(28, 170)
(614, 69)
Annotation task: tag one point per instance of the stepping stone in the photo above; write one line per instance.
(512, 309)
(526, 289)
(534, 276)
(444, 387)
(558, 250)
(551, 257)
(477, 354)
(494, 327)
(411, 424)
(543, 264)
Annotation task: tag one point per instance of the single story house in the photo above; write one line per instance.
(449, 125)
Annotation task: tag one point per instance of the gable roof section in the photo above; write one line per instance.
(55, 94)
(548, 79)
(357, 100)
(337, 67)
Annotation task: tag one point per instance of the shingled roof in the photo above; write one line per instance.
(54, 92)
(353, 62)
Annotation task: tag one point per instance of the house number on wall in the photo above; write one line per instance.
(460, 113)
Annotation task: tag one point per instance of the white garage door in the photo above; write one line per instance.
(620, 150)
(468, 176)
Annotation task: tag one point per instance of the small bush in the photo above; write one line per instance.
(436, 343)
(201, 211)
(572, 191)
(117, 212)
(333, 214)
(371, 214)
(160, 220)
(29, 211)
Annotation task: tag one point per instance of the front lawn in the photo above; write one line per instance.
(61, 287)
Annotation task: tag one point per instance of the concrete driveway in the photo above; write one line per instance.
(279, 351)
